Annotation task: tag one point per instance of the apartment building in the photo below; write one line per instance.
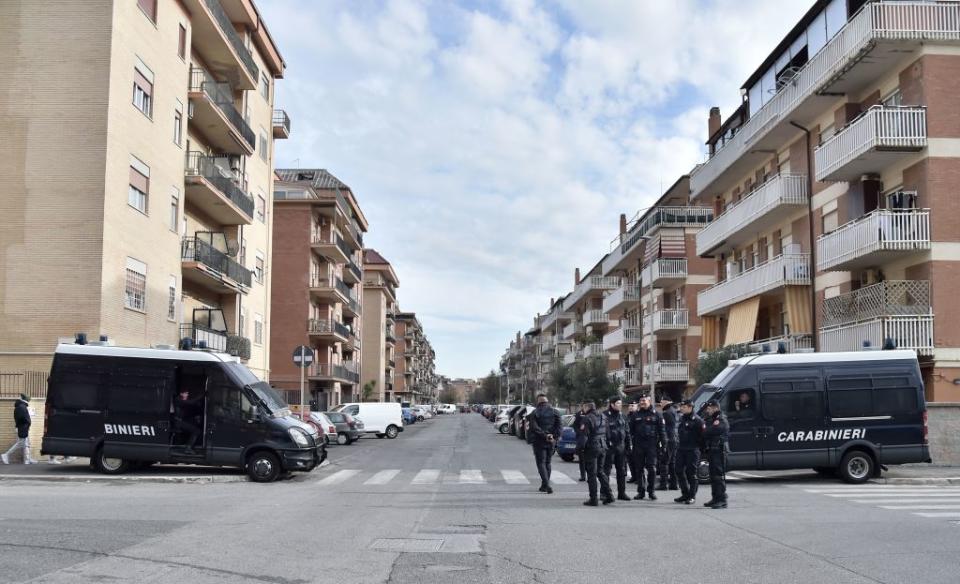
(379, 357)
(653, 263)
(588, 322)
(136, 168)
(318, 244)
(415, 379)
(832, 185)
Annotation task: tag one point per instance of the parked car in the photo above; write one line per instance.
(567, 445)
(422, 413)
(349, 429)
(408, 416)
(322, 424)
(519, 421)
(379, 418)
(502, 423)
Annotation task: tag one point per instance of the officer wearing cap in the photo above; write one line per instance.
(689, 435)
(648, 433)
(631, 460)
(592, 441)
(716, 433)
(618, 445)
(667, 469)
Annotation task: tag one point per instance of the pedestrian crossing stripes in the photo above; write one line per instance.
(928, 501)
(428, 476)
(514, 477)
(383, 477)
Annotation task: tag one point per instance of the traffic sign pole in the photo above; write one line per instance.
(303, 375)
(303, 358)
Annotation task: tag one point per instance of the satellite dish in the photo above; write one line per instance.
(233, 247)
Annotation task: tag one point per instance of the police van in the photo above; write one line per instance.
(846, 413)
(117, 406)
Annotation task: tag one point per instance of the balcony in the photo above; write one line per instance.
(769, 204)
(214, 188)
(624, 248)
(899, 310)
(346, 372)
(623, 298)
(328, 329)
(545, 358)
(873, 40)
(874, 239)
(281, 125)
(217, 41)
(206, 266)
(376, 280)
(352, 273)
(622, 337)
(572, 330)
(664, 271)
(389, 335)
(627, 376)
(668, 323)
(790, 343)
(906, 332)
(594, 350)
(216, 117)
(198, 333)
(667, 371)
(570, 358)
(784, 270)
(872, 142)
(391, 364)
(329, 289)
(595, 318)
(591, 285)
(331, 246)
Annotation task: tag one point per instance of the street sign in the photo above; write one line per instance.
(303, 356)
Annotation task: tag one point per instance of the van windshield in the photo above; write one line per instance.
(271, 399)
(724, 376)
(703, 393)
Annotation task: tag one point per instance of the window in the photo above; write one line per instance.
(178, 123)
(149, 7)
(142, 388)
(258, 267)
(139, 185)
(265, 86)
(135, 292)
(243, 252)
(143, 88)
(796, 405)
(182, 42)
(172, 299)
(243, 323)
(261, 209)
(830, 221)
(258, 328)
(174, 208)
(263, 145)
(894, 99)
(76, 383)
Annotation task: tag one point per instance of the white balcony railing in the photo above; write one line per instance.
(906, 332)
(791, 344)
(896, 20)
(625, 335)
(572, 330)
(784, 270)
(883, 230)
(595, 317)
(594, 350)
(667, 371)
(627, 376)
(782, 192)
(879, 128)
(591, 284)
(625, 295)
(570, 358)
(888, 298)
(673, 319)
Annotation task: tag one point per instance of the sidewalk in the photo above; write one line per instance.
(80, 471)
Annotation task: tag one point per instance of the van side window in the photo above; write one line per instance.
(867, 395)
(791, 399)
(141, 387)
(77, 383)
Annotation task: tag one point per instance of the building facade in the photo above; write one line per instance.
(415, 379)
(137, 203)
(318, 243)
(379, 357)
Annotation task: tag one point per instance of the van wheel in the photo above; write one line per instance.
(109, 465)
(263, 467)
(343, 439)
(392, 431)
(856, 467)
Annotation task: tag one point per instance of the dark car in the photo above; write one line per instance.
(349, 429)
(567, 446)
(409, 418)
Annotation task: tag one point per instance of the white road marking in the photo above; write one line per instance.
(940, 515)
(741, 474)
(471, 477)
(427, 476)
(930, 499)
(881, 489)
(383, 477)
(920, 507)
(560, 478)
(514, 477)
(880, 495)
(339, 477)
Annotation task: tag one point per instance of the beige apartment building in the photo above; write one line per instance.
(136, 167)
(379, 357)
(318, 285)
(415, 380)
(833, 188)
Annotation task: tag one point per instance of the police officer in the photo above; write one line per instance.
(618, 445)
(647, 431)
(667, 467)
(544, 425)
(579, 451)
(689, 436)
(715, 435)
(591, 439)
(631, 459)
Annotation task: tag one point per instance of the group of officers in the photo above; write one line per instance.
(647, 441)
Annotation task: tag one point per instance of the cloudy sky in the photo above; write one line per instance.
(493, 143)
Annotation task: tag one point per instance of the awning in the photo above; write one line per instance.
(709, 333)
(742, 321)
(798, 309)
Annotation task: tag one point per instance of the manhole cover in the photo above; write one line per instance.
(408, 545)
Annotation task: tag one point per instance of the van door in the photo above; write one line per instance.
(792, 408)
(233, 422)
(138, 402)
(77, 398)
(739, 405)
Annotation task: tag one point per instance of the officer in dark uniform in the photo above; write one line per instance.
(576, 428)
(544, 427)
(187, 415)
(631, 459)
(715, 436)
(591, 439)
(689, 436)
(618, 445)
(667, 467)
(647, 431)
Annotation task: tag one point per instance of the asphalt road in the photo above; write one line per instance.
(451, 500)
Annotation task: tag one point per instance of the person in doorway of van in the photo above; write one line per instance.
(186, 414)
(716, 433)
(689, 436)
(21, 419)
(544, 426)
(744, 402)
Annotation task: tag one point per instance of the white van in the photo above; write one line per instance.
(382, 419)
(448, 409)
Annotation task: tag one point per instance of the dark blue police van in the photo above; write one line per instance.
(118, 406)
(847, 413)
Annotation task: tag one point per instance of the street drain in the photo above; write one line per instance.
(406, 545)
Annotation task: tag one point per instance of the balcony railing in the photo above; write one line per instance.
(878, 233)
(195, 249)
(627, 376)
(889, 298)
(347, 371)
(906, 332)
(214, 339)
(281, 124)
(664, 269)
(625, 335)
(791, 344)
(615, 302)
(591, 284)
(595, 317)
(570, 357)
(778, 196)
(222, 96)
(880, 128)
(667, 371)
(784, 270)
(223, 21)
(216, 171)
(324, 326)
(594, 350)
(673, 319)
(876, 21)
(355, 270)
(573, 329)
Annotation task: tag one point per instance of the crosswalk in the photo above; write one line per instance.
(432, 476)
(929, 501)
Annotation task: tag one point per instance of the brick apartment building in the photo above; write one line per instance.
(416, 380)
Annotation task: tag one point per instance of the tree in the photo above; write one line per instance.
(487, 391)
(586, 380)
(713, 362)
(368, 388)
(448, 396)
